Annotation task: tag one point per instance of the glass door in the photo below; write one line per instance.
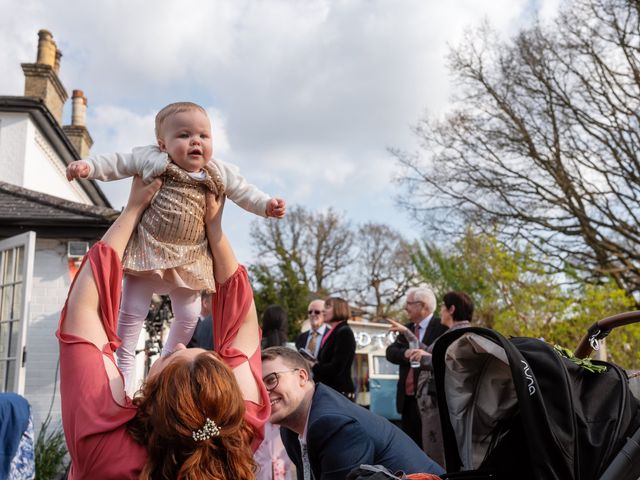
(16, 277)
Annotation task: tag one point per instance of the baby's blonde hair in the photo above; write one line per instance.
(172, 109)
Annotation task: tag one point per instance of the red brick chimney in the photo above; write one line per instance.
(77, 132)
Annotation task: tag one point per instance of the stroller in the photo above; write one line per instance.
(518, 409)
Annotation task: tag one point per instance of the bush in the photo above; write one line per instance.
(50, 452)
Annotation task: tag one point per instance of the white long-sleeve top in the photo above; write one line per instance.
(149, 162)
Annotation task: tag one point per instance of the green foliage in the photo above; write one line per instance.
(594, 302)
(281, 285)
(514, 294)
(581, 362)
(50, 452)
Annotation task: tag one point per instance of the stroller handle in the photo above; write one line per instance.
(601, 329)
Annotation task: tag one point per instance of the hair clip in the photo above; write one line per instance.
(210, 429)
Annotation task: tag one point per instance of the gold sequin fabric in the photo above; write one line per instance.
(170, 240)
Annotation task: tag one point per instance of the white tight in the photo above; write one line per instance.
(134, 306)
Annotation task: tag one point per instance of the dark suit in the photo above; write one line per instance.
(342, 435)
(203, 334)
(335, 358)
(301, 340)
(406, 405)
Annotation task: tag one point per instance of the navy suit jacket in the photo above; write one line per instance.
(395, 354)
(342, 435)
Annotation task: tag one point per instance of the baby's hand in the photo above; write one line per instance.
(276, 208)
(77, 169)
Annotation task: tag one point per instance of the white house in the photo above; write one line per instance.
(46, 225)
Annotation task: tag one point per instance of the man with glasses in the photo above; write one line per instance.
(312, 338)
(420, 304)
(325, 434)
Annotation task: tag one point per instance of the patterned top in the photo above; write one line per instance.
(170, 241)
(23, 465)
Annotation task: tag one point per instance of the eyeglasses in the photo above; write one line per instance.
(271, 381)
(314, 312)
(413, 303)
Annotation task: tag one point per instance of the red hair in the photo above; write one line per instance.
(177, 402)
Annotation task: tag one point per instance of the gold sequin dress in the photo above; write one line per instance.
(170, 241)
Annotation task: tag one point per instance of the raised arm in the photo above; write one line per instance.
(241, 192)
(247, 339)
(82, 316)
(225, 263)
(148, 162)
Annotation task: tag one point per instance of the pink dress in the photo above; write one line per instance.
(94, 424)
(272, 459)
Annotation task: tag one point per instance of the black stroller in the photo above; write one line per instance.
(518, 409)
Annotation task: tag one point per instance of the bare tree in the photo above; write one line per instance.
(383, 269)
(316, 245)
(543, 141)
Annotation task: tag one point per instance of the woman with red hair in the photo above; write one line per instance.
(199, 413)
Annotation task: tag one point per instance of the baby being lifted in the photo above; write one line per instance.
(169, 252)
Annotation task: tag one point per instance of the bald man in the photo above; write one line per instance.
(312, 338)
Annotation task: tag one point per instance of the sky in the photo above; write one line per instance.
(305, 96)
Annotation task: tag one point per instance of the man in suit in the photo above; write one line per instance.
(203, 333)
(312, 338)
(420, 304)
(325, 434)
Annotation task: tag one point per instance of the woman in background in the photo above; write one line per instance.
(337, 350)
(274, 327)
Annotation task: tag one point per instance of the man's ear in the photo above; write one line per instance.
(162, 145)
(304, 376)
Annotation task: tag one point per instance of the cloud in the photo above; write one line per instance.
(304, 96)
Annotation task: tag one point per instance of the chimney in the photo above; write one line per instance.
(41, 78)
(56, 64)
(78, 108)
(77, 132)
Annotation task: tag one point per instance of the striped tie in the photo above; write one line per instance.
(313, 342)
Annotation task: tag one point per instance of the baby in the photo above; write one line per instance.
(169, 252)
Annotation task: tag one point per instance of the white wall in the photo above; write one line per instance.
(28, 160)
(51, 282)
(13, 141)
(44, 170)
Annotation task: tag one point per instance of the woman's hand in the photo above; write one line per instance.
(141, 194)
(397, 326)
(213, 212)
(140, 197)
